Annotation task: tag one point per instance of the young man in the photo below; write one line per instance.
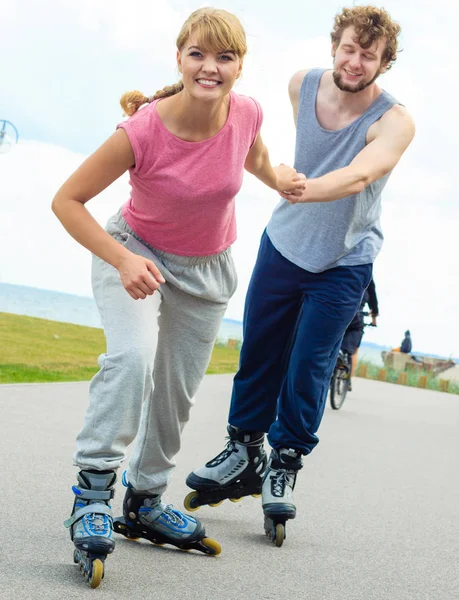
(314, 264)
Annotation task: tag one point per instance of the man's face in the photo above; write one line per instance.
(355, 68)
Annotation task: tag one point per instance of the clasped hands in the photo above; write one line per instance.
(291, 185)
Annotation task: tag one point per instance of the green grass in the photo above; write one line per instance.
(37, 350)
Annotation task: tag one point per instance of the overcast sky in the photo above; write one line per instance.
(65, 65)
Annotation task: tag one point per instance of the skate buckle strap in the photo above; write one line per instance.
(93, 494)
(246, 438)
(125, 481)
(89, 508)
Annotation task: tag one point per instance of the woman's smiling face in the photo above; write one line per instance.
(207, 75)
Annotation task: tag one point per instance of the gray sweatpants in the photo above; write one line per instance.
(158, 350)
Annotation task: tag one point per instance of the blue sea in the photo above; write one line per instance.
(69, 308)
(81, 310)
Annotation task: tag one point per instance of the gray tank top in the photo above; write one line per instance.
(322, 235)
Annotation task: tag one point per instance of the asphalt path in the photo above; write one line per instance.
(378, 505)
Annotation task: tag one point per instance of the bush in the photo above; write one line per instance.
(433, 382)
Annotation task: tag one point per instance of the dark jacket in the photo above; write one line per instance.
(370, 298)
(406, 345)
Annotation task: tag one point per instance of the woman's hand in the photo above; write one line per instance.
(139, 276)
(288, 180)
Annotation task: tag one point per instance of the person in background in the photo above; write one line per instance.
(354, 332)
(406, 346)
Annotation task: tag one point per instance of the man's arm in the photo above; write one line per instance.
(392, 136)
(372, 298)
(294, 89)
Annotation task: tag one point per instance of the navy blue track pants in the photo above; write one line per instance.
(294, 321)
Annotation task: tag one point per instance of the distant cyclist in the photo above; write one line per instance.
(354, 333)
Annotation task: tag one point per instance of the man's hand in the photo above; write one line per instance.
(300, 194)
(139, 276)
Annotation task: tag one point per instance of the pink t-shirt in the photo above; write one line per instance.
(182, 197)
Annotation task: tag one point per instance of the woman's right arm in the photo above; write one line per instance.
(139, 275)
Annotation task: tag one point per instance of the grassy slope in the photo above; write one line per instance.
(38, 350)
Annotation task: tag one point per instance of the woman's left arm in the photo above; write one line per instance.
(281, 178)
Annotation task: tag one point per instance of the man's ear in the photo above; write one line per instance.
(333, 49)
(384, 67)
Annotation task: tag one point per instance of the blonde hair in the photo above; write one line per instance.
(370, 24)
(217, 31)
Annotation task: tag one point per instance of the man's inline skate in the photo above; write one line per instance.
(232, 474)
(91, 523)
(145, 516)
(277, 494)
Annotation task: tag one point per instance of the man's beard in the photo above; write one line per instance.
(352, 89)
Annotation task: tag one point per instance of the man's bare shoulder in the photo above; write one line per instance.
(399, 117)
(294, 85)
(396, 121)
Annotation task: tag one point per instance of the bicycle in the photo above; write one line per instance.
(339, 383)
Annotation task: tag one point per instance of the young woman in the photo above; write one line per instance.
(169, 246)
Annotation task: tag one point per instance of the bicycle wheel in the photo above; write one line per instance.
(338, 388)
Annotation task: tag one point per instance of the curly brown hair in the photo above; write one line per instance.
(370, 24)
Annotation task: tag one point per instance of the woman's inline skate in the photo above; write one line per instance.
(277, 493)
(145, 516)
(234, 473)
(91, 523)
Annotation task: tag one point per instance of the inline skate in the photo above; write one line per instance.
(232, 474)
(145, 516)
(90, 524)
(277, 493)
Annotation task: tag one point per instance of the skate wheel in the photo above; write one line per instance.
(215, 504)
(97, 573)
(191, 501)
(235, 499)
(212, 546)
(280, 535)
(256, 495)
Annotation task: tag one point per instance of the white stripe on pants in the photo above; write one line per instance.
(158, 350)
